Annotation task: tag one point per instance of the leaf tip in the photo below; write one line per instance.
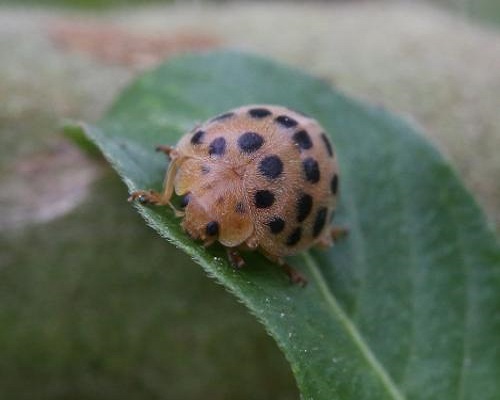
(77, 132)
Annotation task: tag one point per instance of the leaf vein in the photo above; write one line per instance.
(369, 356)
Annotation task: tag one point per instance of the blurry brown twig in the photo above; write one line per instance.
(115, 45)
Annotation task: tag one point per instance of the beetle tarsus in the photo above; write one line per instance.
(294, 275)
(168, 150)
(338, 232)
(145, 197)
(235, 259)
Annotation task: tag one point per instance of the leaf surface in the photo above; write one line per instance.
(406, 307)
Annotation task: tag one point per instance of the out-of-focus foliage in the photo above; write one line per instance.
(82, 3)
(488, 10)
(95, 305)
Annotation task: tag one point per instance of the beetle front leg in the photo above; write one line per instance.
(146, 197)
(161, 199)
(170, 151)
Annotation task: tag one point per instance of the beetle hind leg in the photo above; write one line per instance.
(338, 232)
(293, 274)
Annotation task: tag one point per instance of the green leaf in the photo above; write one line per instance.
(406, 307)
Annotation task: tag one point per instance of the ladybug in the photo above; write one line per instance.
(258, 177)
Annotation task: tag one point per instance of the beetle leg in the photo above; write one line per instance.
(209, 242)
(161, 199)
(168, 150)
(234, 258)
(145, 196)
(294, 275)
(324, 242)
(252, 242)
(329, 237)
(337, 232)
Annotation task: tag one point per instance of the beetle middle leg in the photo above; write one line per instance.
(235, 259)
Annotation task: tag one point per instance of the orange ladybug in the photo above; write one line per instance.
(258, 177)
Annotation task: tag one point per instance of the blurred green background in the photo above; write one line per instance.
(93, 304)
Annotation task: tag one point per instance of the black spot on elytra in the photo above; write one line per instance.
(240, 208)
(276, 225)
(302, 139)
(286, 121)
(250, 142)
(271, 166)
(327, 144)
(222, 117)
(259, 112)
(294, 237)
(185, 200)
(197, 137)
(217, 147)
(263, 199)
(319, 222)
(205, 169)
(304, 206)
(212, 228)
(311, 169)
(334, 184)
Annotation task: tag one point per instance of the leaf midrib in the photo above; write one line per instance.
(466, 323)
(356, 336)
